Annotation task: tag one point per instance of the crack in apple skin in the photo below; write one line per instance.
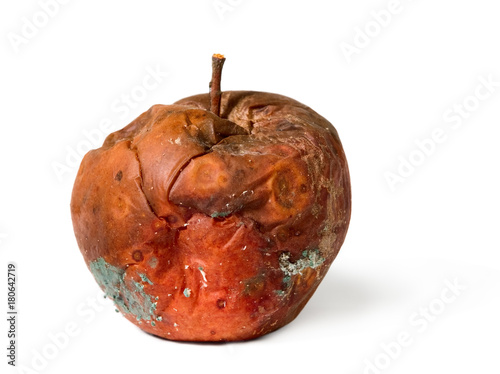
(249, 198)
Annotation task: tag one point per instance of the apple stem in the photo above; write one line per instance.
(215, 92)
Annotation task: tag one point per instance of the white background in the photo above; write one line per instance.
(439, 225)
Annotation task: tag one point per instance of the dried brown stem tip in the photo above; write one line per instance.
(215, 92)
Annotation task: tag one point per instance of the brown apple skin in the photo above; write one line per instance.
(207, 228)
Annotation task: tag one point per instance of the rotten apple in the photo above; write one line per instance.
(215, 218)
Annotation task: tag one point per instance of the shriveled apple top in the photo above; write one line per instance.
(267, 157)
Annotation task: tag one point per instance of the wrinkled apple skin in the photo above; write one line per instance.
(207, 228)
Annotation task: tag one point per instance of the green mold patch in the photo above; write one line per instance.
(131, 300)
(145, 279)
(310, 259)
(219, 214)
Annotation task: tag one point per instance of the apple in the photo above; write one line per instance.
(215, 218)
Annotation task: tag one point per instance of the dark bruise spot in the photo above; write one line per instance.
(259, 227)
(282, 235)
(119, 176)
(239, 174)
(282, 191)
(137, 256)
(303, 188)
(255, 285)
(221, 303)
(172, 219)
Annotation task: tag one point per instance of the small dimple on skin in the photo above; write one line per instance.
(137, 256)
(221, 303)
